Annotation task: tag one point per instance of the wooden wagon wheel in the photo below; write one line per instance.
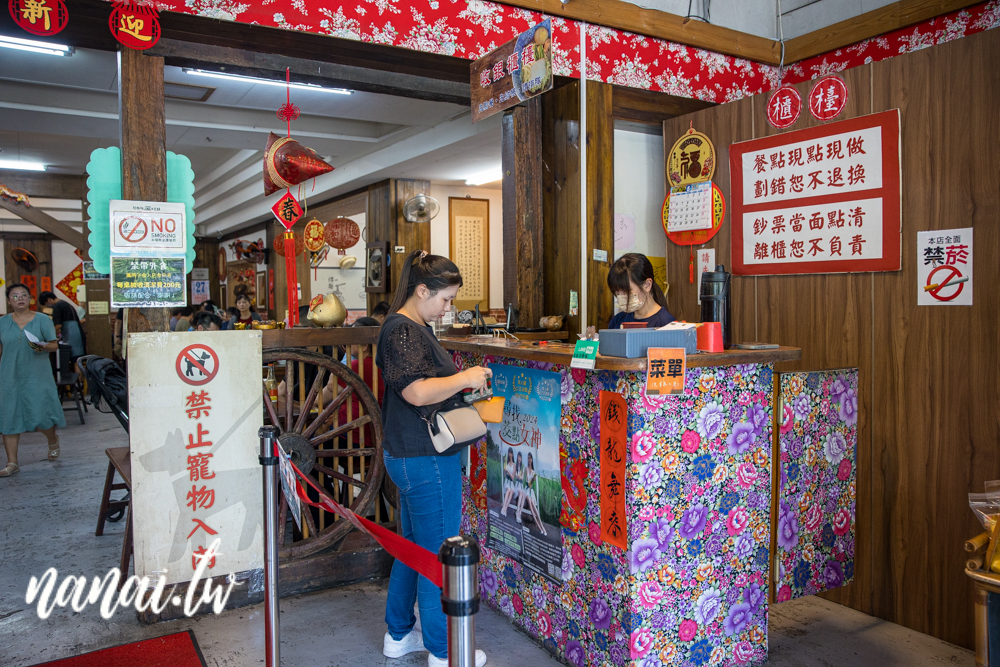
(318, 445)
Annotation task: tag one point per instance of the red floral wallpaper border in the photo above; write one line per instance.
(471, 28)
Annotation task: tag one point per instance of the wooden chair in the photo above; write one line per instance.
(120, 461)
(68, 381)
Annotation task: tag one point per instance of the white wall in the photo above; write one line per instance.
(639, 191)
(440, 235)
(350, 283)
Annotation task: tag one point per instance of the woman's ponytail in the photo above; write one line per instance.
(420, 268)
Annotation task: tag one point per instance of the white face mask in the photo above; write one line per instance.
(630, 303)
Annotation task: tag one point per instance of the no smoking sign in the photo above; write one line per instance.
(944, 268)
(147, 226)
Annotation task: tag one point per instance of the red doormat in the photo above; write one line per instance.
(176, 650)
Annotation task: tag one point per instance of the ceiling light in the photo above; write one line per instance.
(268, 82)
(25, 166)
(34, 46)
(485, 177)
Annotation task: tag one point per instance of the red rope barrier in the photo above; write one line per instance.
(410, 554)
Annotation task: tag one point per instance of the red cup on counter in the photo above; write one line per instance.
(710, 337)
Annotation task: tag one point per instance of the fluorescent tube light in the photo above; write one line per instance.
(34, 46)
(25, 166)
(485, 177)
(268, 82)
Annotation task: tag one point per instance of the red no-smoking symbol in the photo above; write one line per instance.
(133, 229)
(197, 364)
(948, 275)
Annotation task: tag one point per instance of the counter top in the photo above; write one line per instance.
(562, 353)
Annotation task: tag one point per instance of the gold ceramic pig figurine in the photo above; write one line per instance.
(551, 322)
(327, 311)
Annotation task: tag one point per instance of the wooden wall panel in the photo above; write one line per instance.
(830, 317)
(936, 390)
(927, 429)
(561, 199)
(600, 201)
(410, 235)
(39, 245)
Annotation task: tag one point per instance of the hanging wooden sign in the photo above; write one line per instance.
(512, 72)
(39, 17)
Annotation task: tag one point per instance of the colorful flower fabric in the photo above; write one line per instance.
(692, 587)
(816, 505)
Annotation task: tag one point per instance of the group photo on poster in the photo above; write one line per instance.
(523, 486)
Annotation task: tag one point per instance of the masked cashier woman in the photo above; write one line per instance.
(640, 299)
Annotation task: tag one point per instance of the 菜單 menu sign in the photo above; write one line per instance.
(512, 72)
(821, 200)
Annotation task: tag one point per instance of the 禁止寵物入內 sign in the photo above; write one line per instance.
(512, 72)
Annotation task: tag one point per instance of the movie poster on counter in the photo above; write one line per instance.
(523, 483)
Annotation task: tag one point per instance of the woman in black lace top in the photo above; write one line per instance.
(419, 372)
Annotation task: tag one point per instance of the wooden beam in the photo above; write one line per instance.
(521, 154)
(330, 74)
(647, 106)
(143, 135)
(654, 23)
(870, 24)
(43, 220)
(53, 186)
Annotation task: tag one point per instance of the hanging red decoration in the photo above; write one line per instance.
(135, 24)
(288, 163)
(39, 17)
(784, 107)
(314, 236)
(342, 233)
(287, 210)
(279, 245)
(828, 98)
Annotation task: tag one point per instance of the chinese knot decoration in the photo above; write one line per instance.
(40, 17)
(135, 24)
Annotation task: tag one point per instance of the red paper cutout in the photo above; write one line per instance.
(39, 17)
(135, 25)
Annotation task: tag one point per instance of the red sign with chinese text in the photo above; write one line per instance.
(39, 17)
(614, 439)
(820, 200)
(287, 210)
(134, 25)
(784, 107)
(828, 98)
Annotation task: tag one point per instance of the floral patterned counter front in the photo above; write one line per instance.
(692, 587)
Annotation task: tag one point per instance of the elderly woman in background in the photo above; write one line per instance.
(28, 397)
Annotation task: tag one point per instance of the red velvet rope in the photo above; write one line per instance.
(412, 555)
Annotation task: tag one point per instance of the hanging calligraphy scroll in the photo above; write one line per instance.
(469, 248)
(614, 420)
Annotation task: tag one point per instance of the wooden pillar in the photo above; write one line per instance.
(381, 224)
(143, 138)
(410, 235)
(600, 201)
(523, 269)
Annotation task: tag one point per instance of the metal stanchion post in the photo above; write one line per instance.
(272, 637)
(459, 558)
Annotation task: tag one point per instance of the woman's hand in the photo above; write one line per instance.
(476, 377)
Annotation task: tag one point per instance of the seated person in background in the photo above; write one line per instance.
(380, 311)
(206, 321)
(184, 321)
(245, 312)
(175, 314)
(230, 313)
(67, 323)
(640, 299)
(208, 306)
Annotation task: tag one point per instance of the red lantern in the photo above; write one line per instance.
(342, 233)
(314, 235)
(279, 245)
(135, 24)
(39, 17)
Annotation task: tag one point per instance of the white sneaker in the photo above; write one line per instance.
(434, 661)
(411, 643)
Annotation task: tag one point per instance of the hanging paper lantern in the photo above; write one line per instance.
(342, 233)
(279, 245)
(135, 24)
(314, 236)
(288, 163)
(39, 17)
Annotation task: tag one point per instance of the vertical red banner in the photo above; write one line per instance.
(614, 423)
(292, 277)
(32, 284)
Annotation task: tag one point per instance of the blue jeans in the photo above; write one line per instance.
(430, 510)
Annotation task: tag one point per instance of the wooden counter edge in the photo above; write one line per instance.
(561, 354)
